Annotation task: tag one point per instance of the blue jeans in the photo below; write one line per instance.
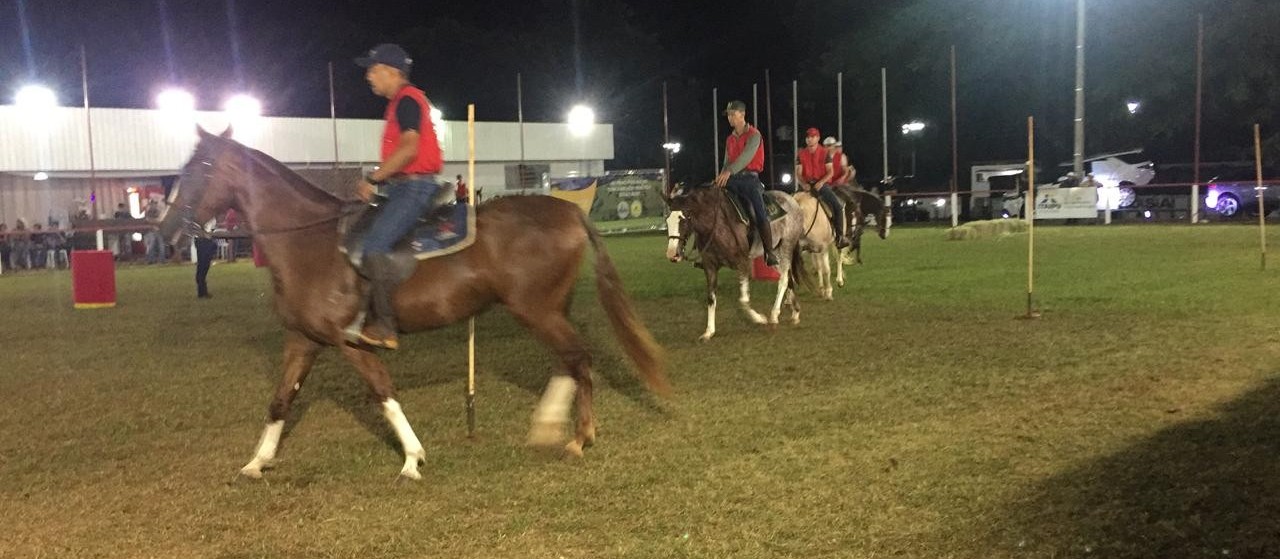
(746, 186)
(406, 200)
(828, 195)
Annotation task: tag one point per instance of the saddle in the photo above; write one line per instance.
(773, 210)
(445, 228)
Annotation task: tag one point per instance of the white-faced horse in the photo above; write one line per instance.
(710, 217)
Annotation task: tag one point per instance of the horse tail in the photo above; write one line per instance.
(635, 338)
(798, 275)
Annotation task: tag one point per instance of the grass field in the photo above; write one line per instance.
(911, 417)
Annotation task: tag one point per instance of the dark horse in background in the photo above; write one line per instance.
(858, 204)
(526, 257)
(706, 214)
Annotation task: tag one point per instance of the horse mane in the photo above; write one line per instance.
(283, 171)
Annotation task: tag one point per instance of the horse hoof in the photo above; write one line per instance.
(251, 473)
(573, 449)
(409, 475)
(705, 338)
(795, 320)
(840, 284)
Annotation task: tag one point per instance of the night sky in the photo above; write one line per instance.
(615, 54)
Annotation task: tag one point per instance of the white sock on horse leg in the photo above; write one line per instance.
(555, 402)
(266, 451)
(408, 440)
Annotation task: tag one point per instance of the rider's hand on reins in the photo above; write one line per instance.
(365, 190)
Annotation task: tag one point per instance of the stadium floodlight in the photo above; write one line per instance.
(176, 101)
(1133, 106)
(437, 121)
(913, 126)
(786, 178)
(673, 147)
(41, 176)
(35, 98)
(581, 120)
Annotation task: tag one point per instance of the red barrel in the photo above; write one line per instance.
(259, 257)
(93, 279)
(761, 271)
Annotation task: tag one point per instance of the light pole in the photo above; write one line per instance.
(911, 130)
(1078, 161)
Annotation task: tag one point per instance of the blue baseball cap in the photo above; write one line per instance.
(387, 53)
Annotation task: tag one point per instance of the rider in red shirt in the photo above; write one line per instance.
(411, 158)
(814, 171)
(743, 162)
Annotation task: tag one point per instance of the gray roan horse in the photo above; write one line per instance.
(721, 239)
(526, 257)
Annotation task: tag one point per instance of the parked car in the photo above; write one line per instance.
(1232, 198)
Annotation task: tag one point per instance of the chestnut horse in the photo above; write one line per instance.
(526, 256)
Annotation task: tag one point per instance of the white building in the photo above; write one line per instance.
(45, 157)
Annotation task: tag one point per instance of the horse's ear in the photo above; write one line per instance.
(226, 134)
(202, 133)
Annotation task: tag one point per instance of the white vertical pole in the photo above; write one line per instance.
(795, 119)
(884, 121)
(715, 131)
(755, 105)
(884, 143)
(1262, 207)
(1031, 215)
(1106, 213)
(88, 123)
(519, 115)
(955, 154)
(1195, 185)
(839, 107)
(1078, 160)
(101, 241)
(333, 118)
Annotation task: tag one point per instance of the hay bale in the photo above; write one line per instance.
(995, 228)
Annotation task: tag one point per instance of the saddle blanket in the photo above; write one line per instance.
(445, 230)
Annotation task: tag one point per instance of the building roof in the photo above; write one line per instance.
(138, 142)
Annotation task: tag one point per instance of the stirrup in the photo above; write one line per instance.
(390, 342)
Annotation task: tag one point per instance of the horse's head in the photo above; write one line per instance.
(201, 192)
(687, 204)
(677, 235)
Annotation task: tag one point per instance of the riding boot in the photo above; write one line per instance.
(766, 242)
(380, 328)
(842, 237)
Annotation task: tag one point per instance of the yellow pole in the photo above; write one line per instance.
(471, 323)
(1262, 211)
(1030, 209)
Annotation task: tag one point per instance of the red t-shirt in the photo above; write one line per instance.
(430, 158)
(734, 144)
(813, 164)
(838, 168)
(461, 191)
